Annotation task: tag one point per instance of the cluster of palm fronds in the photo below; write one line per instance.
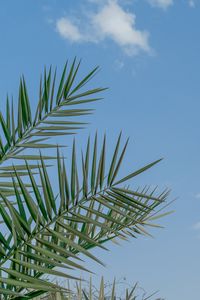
(45, 231)
(106, 291)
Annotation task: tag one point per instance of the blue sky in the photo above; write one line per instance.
(149, 54)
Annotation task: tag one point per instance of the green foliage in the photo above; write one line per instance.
(48, 232)
(106, 291)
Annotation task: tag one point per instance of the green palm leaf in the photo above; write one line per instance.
(49, 231)
(69, 225)
(55, 106)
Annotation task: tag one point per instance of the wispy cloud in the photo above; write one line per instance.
(119, 64)
(196, 226)
(68, 30)
(191, 3)
(164, 4)
(197, 196)
(110, 22)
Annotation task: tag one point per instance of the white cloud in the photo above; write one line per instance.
(161, 3)
(191, 3)
(110, 22)
(115, 23)
(197, 196)
(68, 30)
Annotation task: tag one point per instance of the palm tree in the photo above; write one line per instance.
(44, 230)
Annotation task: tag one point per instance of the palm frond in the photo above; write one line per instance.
(106, 290)
(54, 115)
(50, 231)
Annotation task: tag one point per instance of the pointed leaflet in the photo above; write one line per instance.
(5, 129)
(57, 248)
(114, 159)
(85, 178)
(48, 210)
(30, 202)
(75, 246)
(103, 161)
(87, 157)
(8, 115)
(138, 172)
(37, 193)
(19, 202)
(84, 81)
(104, 216)
(61, 182)
(60, 89)
(27, 102)
(52, 91)
(79, 234)
(115, 172)
(58, 258)
(48, 186)
(20, 223)
(45, 260)
(13, 124)
(24, 284)
(66, 184)
(43, 270)
(5, 215)
(73, 173)
(71, 77)
(94, 163)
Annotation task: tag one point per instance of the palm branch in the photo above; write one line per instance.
(57, 105)
(48, 232)
(105, 291)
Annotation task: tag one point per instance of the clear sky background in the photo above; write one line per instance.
(149, 53)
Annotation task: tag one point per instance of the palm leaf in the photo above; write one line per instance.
(55, 106)
(46, 229)
(57, 230)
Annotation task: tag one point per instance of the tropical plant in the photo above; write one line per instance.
(44, 231)
(106, 291)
